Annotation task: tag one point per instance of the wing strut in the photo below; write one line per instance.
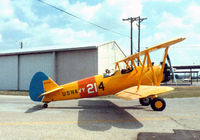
(157, 78)
(141, 74)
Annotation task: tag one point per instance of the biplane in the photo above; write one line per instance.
(131, 82)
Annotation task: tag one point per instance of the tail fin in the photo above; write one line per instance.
(40, 84)
(49, 85)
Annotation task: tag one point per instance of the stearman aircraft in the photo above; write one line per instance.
(133, 82)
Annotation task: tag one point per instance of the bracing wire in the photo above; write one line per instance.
(91, 23)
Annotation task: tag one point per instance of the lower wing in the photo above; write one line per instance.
(144, 91)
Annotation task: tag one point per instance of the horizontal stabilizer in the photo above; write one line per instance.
(144, 91)
(51, 91)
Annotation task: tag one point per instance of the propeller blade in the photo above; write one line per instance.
(169, 61)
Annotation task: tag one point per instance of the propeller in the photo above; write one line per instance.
(171, 68)
(168, 70)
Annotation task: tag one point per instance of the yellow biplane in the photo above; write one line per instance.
(133, 82)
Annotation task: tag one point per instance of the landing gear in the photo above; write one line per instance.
(45, 105)
(145, 101)
(158, 104)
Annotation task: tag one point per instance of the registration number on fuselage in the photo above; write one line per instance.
(88, 87)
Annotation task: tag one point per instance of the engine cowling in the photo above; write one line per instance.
(167, 74)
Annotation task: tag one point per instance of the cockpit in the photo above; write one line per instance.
(109, 73)
(122, 69)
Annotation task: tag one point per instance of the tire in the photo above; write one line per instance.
(158, 104)
(45, 105)
(145, 101)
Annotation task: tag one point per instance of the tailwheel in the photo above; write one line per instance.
(45, 105)
(145, 101)
(158, 104)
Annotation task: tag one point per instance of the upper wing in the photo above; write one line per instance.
(159, 46)
(144, 91)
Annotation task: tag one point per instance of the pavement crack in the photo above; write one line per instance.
(177, 122)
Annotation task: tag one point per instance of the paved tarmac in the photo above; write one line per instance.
(91, 119)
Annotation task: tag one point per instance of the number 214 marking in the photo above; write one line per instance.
(92, 88)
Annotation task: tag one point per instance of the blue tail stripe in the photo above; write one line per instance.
(36, 86)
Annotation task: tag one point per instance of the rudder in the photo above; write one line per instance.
(36, 87)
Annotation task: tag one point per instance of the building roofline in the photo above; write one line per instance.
(187, 67)
(119, 48)
(43, 50)
(114, 42)
(18, 52)
(186, 71)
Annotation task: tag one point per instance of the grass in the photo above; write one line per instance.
(22, 93)
(179, 92)
(182, 92)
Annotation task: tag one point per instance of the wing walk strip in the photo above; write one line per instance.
(132, 93)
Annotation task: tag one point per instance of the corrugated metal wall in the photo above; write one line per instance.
(8, 72)
(32, 63)
(75, 65)
(16, 70)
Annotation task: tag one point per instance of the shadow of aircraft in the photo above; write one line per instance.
(101, 115)
(34, 109)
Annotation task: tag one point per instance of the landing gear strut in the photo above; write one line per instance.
(45, 105)
(145, 101)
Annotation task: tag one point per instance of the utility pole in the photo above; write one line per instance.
(21, 45)
(131, 19)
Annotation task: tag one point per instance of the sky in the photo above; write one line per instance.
(40, 26)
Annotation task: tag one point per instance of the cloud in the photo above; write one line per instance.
(108, 14)
(192, 13)
(79, 8)
(127, 8)
(154, 39)
(68, 35)
(39, 32)
(60, 3)
(61, 37)
(169, 21)
(24, 9)
(13, 24)
(174, 0)
(84, 10)
(1, 38)
(124, 9)
(175, 25)
(6, 10)
(171, 1)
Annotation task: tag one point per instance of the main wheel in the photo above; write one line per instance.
(145, 101)
(158, 104)
(45, 105)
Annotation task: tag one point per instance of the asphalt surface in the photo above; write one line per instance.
(94, 118)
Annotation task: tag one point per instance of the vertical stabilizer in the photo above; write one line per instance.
(36, 86)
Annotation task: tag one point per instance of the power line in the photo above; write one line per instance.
(103, 28)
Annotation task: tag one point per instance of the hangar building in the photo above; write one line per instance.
(62, 65)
